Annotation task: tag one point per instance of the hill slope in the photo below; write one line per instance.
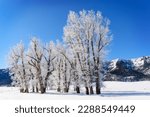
(128, 70)
(4, 77)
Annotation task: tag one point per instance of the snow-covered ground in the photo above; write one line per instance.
(112, 90)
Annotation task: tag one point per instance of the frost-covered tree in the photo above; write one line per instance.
(18, 67)
(48, 62)
(63, 68)
(31, 70)
(40, 59)
(35, 56)
(87, 35)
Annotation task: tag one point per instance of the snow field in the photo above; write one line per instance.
(111, 90)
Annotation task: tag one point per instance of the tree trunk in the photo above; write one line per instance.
(87, 90)
(37, 90)
(66, 90)
(77, 89)
(26, 90)
(98, 89)
(21, 90)
(42, 89)
(65, 76)
(58, 89)
(91, 90)
(33, 89)
(40, 81)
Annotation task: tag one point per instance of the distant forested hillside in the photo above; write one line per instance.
(4, 77)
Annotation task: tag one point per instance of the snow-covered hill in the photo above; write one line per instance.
(112, 90)
(136, 62)
(128, 70)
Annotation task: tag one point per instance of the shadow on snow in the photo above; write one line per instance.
(124, 93)
(105, 94)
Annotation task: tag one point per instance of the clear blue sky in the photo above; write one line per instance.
(22, 19)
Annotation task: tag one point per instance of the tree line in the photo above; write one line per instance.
(76, 61)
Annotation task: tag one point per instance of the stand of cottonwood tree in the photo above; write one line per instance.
(77, 61)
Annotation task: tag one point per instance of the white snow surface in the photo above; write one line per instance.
(110, 91)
